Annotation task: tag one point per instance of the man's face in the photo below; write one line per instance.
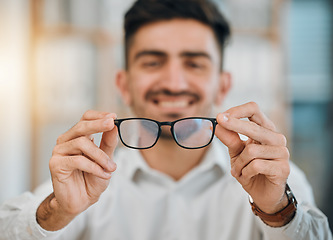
(173, 71)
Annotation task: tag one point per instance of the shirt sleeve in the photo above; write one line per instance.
(18, 217)
(309, 223)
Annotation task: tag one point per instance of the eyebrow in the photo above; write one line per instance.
(196, 54)
(149, 53)
(158, 53)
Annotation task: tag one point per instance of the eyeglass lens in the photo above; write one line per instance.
(188, 133)
(193, 133)
(139, 133)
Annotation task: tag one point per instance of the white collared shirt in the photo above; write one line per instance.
(144, 204)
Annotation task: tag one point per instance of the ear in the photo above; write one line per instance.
(123, 86)
(225, 83)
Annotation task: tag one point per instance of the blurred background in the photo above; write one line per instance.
(58, 58)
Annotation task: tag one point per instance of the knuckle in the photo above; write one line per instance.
(252, 150)
(245, 173)
(284, 169)
(60, 139)
(287, 169)
(256, 166)
(286, 153)
(52, 163)
(86, 114)
(80, 127)
(282, 140)
(254, 105)
(55, 150)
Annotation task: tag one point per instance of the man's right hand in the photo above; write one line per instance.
(80, 170)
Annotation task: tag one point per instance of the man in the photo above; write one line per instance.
(165, 190)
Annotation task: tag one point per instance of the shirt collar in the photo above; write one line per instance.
(131, 160)
(217, 155)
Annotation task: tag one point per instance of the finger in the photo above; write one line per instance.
(252, 111)
(94, 115)
(84, 146)
(84, 128)
(274, 171)
(255, 151)
(252, 130)
(81, 163)
(230, 139)
(109, 142)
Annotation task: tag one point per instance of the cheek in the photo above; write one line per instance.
(210, 91)
(208, 88)
(138, 88)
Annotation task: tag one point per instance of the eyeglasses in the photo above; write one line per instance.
(189, 133)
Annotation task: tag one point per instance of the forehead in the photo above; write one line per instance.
(174, 37)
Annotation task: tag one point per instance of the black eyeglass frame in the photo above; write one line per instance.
(117, 122)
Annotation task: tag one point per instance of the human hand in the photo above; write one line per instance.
(260, 164)
(80, 170)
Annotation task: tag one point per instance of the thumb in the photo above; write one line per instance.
(229, 138)
(109, 141)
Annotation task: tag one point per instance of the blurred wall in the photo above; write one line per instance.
(309, 38)
(14, 99)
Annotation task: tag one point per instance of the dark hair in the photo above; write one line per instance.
(148, 11)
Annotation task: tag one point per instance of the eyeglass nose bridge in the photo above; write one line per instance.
(171, 124)
(166, 124)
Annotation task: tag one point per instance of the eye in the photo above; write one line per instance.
(151, 64)
(194, 65)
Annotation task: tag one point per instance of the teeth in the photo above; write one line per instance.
(178, 104)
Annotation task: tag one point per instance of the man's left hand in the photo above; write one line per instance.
(261, 163)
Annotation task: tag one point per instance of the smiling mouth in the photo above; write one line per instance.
(173, 104)
(167, 99)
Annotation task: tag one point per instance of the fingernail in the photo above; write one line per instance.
(108, 121)
(112, 165)
(108, 174)
(111, 115)
(225, 117)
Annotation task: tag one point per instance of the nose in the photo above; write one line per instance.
(174, 78)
